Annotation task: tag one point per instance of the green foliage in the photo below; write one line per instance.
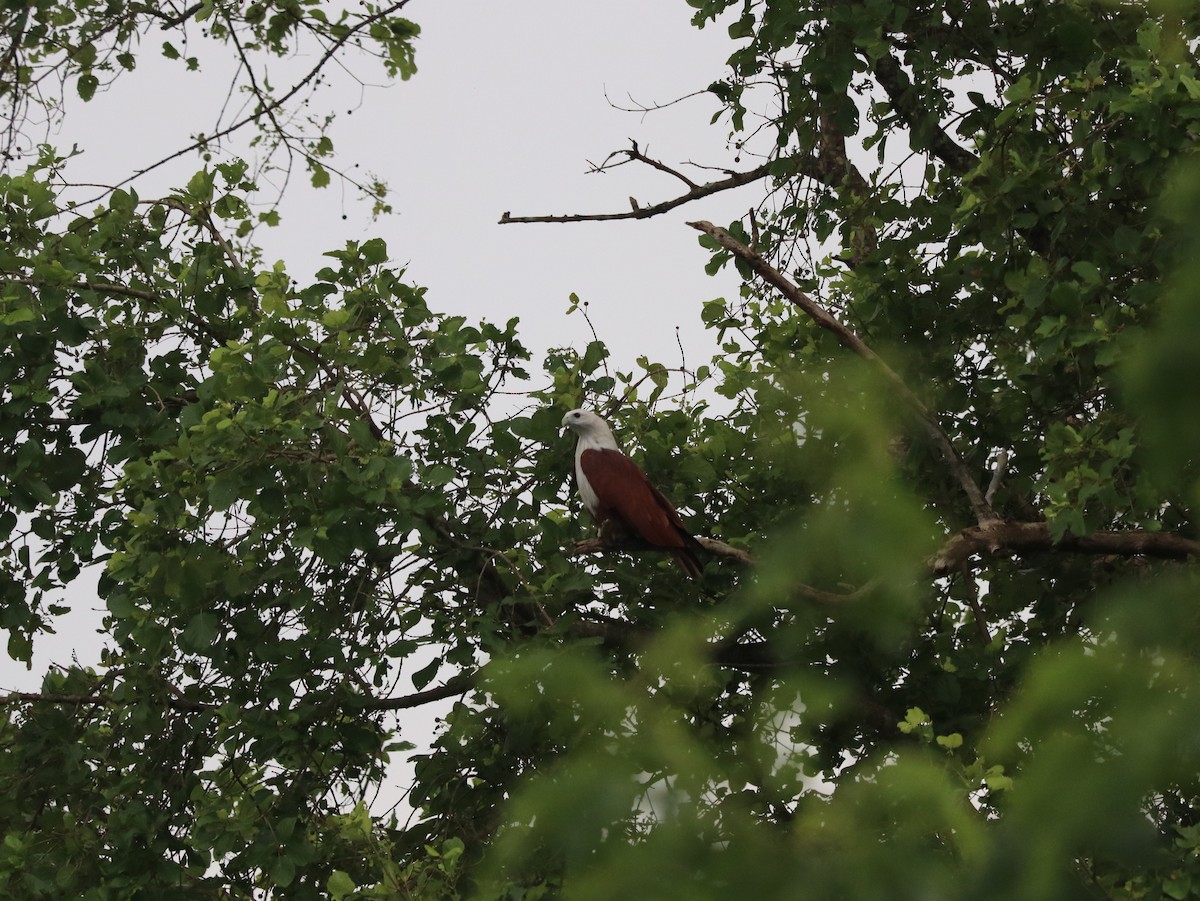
(315, 504)
(88, 46)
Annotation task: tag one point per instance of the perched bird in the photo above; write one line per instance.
(616, 491)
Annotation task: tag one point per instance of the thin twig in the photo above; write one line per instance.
(972, 589)
(634, 154)
(365, 23)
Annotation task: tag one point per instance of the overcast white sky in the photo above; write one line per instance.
(507, 107)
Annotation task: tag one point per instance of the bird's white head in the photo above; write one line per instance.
(591, 429)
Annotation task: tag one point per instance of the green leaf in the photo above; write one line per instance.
(19, 315)
(86, 85)
(1087, 271)
(742, 28)
(200, 632)
(951, 741)
(340, 885)
(426, 674)
(281, 872)
(374, 251)
(224, 490)
(437, 475)
(20, 647)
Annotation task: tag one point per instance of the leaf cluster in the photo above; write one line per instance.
(315, 504)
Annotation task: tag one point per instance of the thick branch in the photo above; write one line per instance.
(98, 287)
(894, 81)
(822, 317)
(735, 180)
(834, 169)
(101, 699)
(999, 536)
(456, 685)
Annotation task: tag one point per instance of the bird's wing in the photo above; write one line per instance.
(622, 490)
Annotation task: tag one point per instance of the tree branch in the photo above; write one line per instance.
(634, 154)
(895, 82)
(1029, 537)
(972, 591)
(176, 702)
(118, 290)
(834, 169)
(830, 167)
(735, 180)
(847, 338)
(712, 545)
(173, 21)
(98, 287)
(997, 475)
(456, 685)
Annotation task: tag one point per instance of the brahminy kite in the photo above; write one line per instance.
(614, 489)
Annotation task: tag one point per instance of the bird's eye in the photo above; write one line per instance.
(576, 415)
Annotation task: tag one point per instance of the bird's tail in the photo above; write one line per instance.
(689, 556)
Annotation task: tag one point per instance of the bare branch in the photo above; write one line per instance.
(634, 154)
(822, 317)
(830, 167)
(639, 107)
(735, 180)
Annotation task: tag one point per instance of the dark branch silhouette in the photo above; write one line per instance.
(456, 685)
(735, 180)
